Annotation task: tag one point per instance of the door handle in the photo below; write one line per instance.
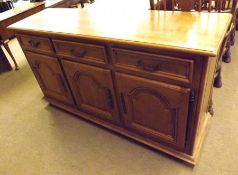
(147, 67)
(36, 65)
(34, 44)
(110, 101)
(123, 103)
(77, 53)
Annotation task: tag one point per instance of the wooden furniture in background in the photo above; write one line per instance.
(4, 6)
(82, 2)
(6, 46)
(20, 11)
(135, 73)
(61, 3)
(4, 64)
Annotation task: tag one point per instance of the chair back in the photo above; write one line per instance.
(6, 5)
(195, 5)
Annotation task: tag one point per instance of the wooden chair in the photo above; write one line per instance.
(220, 6)
(6, 46)
(4, 6)
(82, 2)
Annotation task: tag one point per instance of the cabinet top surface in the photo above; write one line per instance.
(194, 32)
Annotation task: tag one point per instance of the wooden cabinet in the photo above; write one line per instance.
(146, 96)
(50, 77)
(155, 110)
(146, 80)
(93, 89)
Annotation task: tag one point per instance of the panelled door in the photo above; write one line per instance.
(154, 109)
(50, 77)
(93, 90)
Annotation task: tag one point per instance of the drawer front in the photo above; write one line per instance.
(80, 51)
(35, 43)
(157, 65)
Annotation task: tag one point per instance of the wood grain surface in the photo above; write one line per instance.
(193, 32)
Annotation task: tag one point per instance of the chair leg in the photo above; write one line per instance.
(218, 78)
(232, 37)
(236, 19)
(210, 108)
(227, 55)
(6, 46)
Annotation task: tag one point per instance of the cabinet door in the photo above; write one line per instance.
(50, 77)
(154, 109)
(93, 90)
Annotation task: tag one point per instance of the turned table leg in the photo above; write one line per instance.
(227, 55)
(210, 108)
(6, 46)
(218, 78)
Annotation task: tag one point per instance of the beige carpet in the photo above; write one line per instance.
(37, 139)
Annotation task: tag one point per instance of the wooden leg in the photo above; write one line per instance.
(4, 63)
(81, 3)
(210, 108)
(236, 19)
(227, 56)
(232, 39)
(6, 46)
(218, 78)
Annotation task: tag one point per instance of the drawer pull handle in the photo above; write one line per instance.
(147, 67)
(34, 44)
(36, 65)
(78, 54)
(109, 98)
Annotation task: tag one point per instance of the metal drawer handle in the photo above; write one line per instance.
(34, 44)
(123, 103)
(36, 65)
(147, 67)
(77, 53)
(109, 98)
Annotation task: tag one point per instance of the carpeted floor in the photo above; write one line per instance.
(37, 139)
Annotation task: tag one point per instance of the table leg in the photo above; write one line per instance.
(4, 63)
(6, 46)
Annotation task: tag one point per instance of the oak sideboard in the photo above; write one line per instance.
(147, 75)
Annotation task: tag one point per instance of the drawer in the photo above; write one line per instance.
(35, 43)
(157, 65)
(80, 51)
